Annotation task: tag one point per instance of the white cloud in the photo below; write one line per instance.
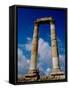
(20, 55)
(62, 57)
(48, 71)
(28, 45)
(62, 62)
(44, 56)
(61, 46)
(28, 39)
(23, 63)
(44, 50)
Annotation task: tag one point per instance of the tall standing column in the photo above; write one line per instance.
(34, 52)
(54, 48)
(33, 73)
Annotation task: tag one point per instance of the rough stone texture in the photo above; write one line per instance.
(44, 20)
(56, 73)
(32, 75)
(34, 52)
(54, 48)
(44, 78)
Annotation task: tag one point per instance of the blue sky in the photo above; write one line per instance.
(26, 18)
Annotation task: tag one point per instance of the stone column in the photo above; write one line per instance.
(33, 73)
(54, 48)
(34, 52)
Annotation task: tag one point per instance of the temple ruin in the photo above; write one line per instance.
(33, 73)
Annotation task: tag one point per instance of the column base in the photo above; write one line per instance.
(57, 74)
(32, 75)
(57, 71)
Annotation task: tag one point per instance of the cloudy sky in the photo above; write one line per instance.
(26, 18)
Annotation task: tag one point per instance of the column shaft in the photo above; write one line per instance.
(34, 52)
(54, 47)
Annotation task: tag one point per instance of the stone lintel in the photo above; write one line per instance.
(44, 20)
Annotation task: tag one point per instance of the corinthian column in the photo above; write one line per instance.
(54, 48)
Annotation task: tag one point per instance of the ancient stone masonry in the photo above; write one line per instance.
(34, 52)
(33, 72)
